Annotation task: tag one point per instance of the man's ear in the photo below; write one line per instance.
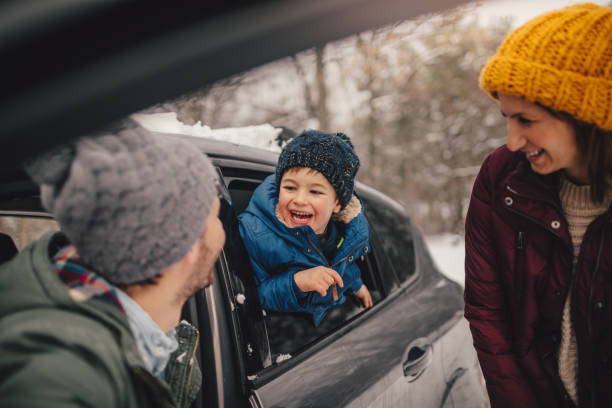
(192, 255)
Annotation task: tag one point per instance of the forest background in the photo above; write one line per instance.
(406, 94)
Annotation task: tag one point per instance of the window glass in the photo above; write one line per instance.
(394, 232)
(240, 192)
(251, 328)
(380, 261)
(24, 230)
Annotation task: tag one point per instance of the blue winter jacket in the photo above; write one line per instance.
(277, 252)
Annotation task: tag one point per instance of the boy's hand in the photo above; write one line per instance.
(363, 294)
(317, 279)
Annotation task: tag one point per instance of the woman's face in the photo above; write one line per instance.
(549, 143)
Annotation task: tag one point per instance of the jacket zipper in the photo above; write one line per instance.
(518, 263)
(146, 377)
(595, 393)
(593, 275)
(191, 364)
(316, 248)
(568, 246)
(594, 397)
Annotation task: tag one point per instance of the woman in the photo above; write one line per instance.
(538, 288)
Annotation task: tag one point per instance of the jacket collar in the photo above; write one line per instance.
(525, 182)
(102, 308)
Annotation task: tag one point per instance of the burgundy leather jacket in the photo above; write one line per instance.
(518, 271)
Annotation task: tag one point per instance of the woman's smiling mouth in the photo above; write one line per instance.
(535, 153)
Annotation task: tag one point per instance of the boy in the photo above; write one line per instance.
(304, 228)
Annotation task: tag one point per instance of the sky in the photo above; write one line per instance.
(524, 10)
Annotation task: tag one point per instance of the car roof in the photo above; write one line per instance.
(222, 152)
(14, 182)
(72, 67)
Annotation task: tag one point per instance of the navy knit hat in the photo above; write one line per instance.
(331, 154)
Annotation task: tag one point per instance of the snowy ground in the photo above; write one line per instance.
(447, 250)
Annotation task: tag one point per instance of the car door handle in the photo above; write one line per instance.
(416, 358)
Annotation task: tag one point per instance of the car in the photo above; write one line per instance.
(71, 68)
(413, 348)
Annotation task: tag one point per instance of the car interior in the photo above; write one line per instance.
(8, 249)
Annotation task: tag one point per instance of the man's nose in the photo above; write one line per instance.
(515, 139)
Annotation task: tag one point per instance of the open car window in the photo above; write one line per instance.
(272, 337)
(22, 218)
(24, 229)
(393, 231)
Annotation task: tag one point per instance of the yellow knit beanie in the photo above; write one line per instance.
(562, 60)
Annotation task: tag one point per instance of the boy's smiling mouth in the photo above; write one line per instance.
(300, 217)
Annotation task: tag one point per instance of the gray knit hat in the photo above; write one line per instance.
(331, 154)
(132, 202)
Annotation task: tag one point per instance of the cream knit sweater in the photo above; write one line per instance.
(579, 211)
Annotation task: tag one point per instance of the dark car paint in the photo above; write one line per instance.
(70, 67)
(361, 363)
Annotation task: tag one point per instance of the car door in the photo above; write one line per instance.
(393, 354)
(422, 356)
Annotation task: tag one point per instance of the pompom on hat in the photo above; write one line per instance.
(562, 60)
(132, 202)
(331, 154)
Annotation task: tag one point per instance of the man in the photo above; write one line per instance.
(90, 316)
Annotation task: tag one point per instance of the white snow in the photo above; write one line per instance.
(260, 136)
(282, 357)
(448, 253)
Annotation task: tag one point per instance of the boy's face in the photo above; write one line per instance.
(307, 198)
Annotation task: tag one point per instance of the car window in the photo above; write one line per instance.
(393, 230)
(24, 229)
(287, 334)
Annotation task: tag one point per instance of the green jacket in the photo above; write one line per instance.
(56, 352)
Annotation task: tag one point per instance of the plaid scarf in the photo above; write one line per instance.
(83, 284)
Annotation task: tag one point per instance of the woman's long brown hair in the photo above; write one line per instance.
(595, 147)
